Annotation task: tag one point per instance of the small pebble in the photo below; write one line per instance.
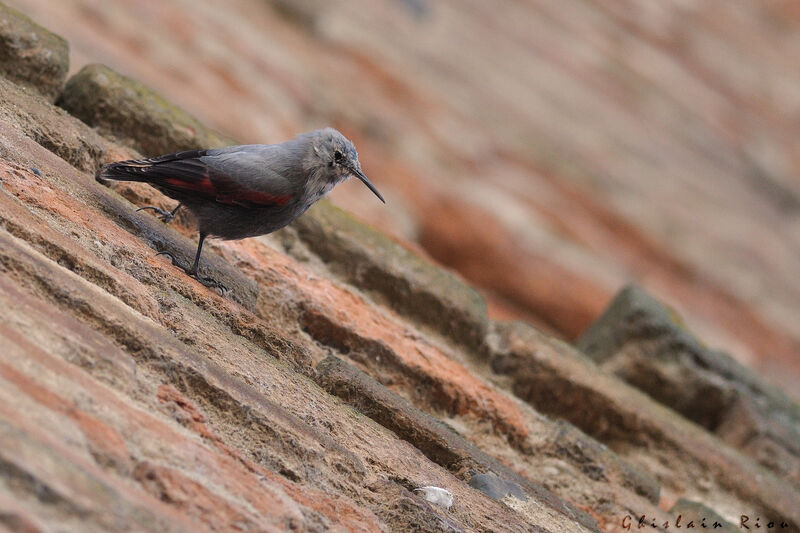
(437, 496)
(496, 487)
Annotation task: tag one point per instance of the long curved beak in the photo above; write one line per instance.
(360, 175)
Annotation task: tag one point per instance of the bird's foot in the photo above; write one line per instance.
(165, 216)
(208, 282)
(211, 283)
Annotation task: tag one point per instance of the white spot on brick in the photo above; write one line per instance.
(437, 496)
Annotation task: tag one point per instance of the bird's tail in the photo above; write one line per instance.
(143, 169)
(131, 170)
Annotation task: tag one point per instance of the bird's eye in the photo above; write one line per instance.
(337, 156)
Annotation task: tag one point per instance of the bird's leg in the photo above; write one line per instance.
(192, 271)
(167, 219)
(165, 216)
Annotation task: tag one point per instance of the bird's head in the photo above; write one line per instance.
(337, 159)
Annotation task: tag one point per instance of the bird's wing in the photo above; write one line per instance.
(237, 175)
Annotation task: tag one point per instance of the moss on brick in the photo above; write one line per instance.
(31, 55)
(121, 107)
(407, 282)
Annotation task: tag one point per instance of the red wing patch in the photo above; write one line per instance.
(245, 198)
(253, 199)
(203, 185)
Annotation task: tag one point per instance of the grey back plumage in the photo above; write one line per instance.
(285, 168)
(268, 168)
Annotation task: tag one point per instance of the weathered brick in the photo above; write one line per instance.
(397, 354)
(496, 487)
(598, 462)
(437, 441)
(54, 129)
(413, 286)
(648, 345)
(134, 114)
(433, 382)
(557, 380)
(30, 55)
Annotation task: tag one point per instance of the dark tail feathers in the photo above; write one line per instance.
(131, 170)
(136, 169)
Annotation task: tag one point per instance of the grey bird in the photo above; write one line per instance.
(245, 191)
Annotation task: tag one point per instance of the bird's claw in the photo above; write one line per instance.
(164, 216)
(208, 282)
(211, 283)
